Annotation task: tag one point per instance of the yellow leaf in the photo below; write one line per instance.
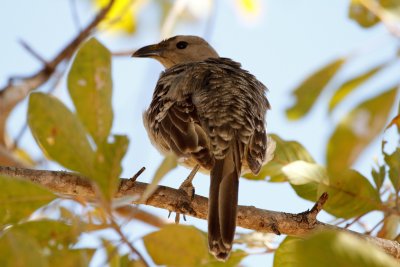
(249, 8)
(357, 130)
(122, 16)
(309, 90)
(177, 245)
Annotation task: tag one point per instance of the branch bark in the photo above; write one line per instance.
(299, 225)
(13, 93)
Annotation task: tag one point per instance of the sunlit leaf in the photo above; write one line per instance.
(285, 255)
(177, 245)
(379, 176)
(108, 164)
(308, 91)
(249, 8)
(59, 133)
(349, 86)
(357, 129)
(367, 12)
(393, 162)
(392, 9)
(54, 240)
(169, 163)
(49, 234)
(71, 257)
(350, 193)
(285, 153)
(19, 250)
(20, 198)
(307, 179)
(122, 16)
(90, 87)
(362, 15)
(331, 249)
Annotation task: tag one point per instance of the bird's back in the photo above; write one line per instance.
(198, 108)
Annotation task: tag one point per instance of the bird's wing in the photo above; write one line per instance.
(172, 121)
(231, 104)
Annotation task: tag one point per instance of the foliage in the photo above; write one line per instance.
(339, 249)
(37, 228)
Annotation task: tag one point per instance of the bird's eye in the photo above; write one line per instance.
(181, 45)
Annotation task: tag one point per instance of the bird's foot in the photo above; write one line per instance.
(187, 194)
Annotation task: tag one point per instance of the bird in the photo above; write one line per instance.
(210, 113)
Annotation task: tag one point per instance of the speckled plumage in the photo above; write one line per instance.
(209, 112)
(199, 108)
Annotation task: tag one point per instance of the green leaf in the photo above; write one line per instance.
(19, 250)
(108, 164)
(308, 91)
(359, 12)
(59, 133)
(48, 233)
(350, 193)
(332, 249)
(177, 245)
(285, 153)
(357, 129)
(90, 87)
(306, 179)
(285, 255)
(54, 239)
(19, 199)
(71, 257)
(363, 16)
(393, 162)
(169, 163)
(350, 85)
(379, 176)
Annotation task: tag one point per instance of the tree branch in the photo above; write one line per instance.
(301, 224)
(13, 93)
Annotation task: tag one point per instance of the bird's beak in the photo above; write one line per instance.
(148, 51)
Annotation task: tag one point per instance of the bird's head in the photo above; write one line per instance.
(177, 50)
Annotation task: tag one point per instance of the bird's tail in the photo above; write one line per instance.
(223, 202)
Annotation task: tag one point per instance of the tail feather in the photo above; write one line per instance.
(223, 202)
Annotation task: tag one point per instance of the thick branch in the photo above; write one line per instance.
(70, 184)
(13, 93)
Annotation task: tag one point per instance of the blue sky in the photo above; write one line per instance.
(291, 40)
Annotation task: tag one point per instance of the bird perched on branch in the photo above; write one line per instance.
(210, 112)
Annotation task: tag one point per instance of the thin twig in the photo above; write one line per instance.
(132, 180)
(134, 177)
(32, 52)
(354, 221)
(117, 229)
(376, 226)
